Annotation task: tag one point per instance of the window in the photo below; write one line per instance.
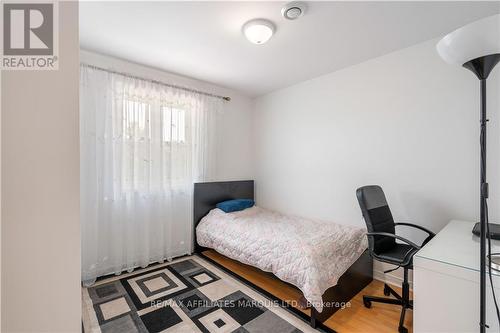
(174, 124)
(137, 122)
(153, 133)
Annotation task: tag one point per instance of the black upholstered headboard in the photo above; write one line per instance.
(207, 195)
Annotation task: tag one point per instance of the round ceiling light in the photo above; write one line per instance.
(293, 10)
(258, 31)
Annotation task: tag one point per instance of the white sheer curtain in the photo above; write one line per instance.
(142, 146)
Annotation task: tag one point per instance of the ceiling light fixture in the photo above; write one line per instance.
(258, 31)
(293, 10)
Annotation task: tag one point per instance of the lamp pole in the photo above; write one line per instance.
(482, 67)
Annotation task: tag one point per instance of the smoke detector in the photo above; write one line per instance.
(293, 10)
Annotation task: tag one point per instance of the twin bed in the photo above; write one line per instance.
(328, 262)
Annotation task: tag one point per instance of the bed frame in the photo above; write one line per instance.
(358, 276)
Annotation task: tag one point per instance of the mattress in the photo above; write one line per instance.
(311, 255)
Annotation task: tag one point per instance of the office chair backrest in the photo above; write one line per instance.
(378, 217)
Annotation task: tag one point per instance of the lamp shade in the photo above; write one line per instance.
(477, 39)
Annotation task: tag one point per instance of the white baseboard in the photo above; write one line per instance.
(394, 278)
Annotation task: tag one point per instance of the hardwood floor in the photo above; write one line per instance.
(357, 318)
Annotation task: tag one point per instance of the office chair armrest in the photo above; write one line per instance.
(430, 233)
(372, 234)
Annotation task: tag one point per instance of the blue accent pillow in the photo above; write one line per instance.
(235, 205)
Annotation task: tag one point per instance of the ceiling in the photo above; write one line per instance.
(203, 40)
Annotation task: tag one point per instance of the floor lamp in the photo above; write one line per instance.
(477, 47)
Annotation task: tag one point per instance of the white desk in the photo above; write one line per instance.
(446, 282)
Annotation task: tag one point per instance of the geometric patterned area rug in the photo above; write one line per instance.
(185, 295)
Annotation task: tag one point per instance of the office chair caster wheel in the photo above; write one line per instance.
(387, 292)
(402, 329)
(368, 304)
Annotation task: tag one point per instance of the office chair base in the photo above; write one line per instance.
(402, 329)
(404, 302)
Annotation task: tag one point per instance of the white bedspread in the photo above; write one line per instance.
(311, 255)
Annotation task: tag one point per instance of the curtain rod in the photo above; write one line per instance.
(225, 98)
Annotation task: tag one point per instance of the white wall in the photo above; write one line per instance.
(40, 192)
(0, 201)
(234, 125)
(406, 121)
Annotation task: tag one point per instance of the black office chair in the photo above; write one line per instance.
(383, 247)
